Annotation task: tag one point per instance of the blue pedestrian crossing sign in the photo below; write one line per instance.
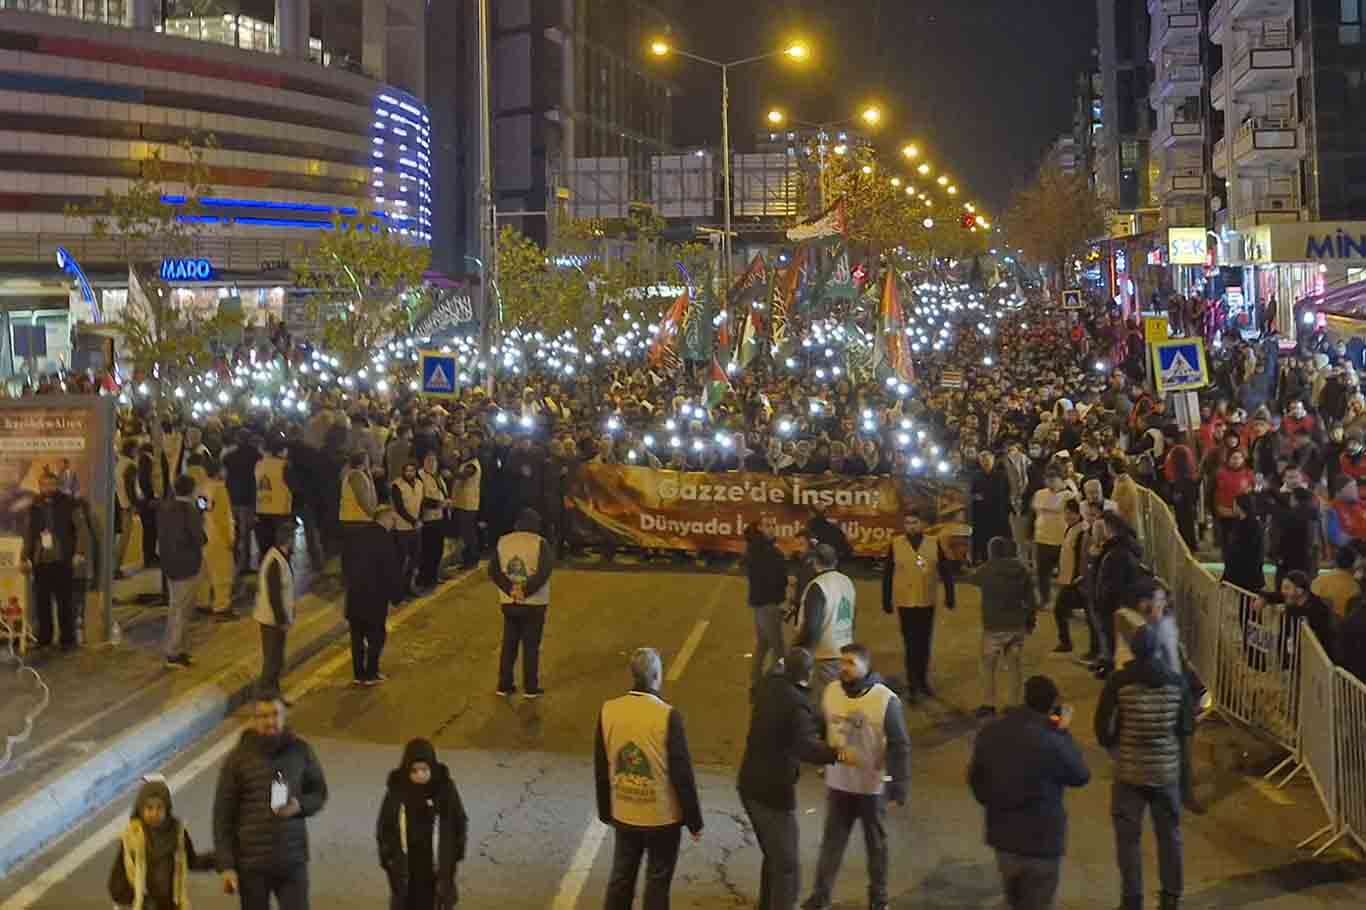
(1179, 365)
(438, 374)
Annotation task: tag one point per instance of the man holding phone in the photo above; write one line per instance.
(1021, 765)
(268, 786)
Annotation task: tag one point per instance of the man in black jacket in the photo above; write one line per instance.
(239, 468)
(1021, 765)
(374, 581)
(268, 786)
(51, 550)
(767, 570)
(183, 537)
(783, 733)
(1113, 575)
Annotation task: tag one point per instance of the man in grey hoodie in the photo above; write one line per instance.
(1008, 605)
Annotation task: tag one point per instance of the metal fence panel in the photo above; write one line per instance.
(1318, 727)
(1350, 730)
(1258, 677)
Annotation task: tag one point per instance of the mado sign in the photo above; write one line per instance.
(179, 269)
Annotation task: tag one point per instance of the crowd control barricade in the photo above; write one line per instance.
(1350, 758)
(1258, 677)
(1318, 733)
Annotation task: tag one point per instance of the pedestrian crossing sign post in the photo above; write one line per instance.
(1072, 300)
(1179, 365)
(438, 374)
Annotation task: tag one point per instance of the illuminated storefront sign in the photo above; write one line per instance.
(179, 269)
(1187, 246)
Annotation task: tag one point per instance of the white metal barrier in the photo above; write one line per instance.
(1318, 733)
(1350, 755)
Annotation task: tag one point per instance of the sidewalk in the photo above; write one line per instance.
(115, 710)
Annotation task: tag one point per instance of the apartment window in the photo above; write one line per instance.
(1349, 27)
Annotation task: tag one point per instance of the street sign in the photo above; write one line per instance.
(438, 374)
(1155, 329)
(1072, 299)
(1179, 365)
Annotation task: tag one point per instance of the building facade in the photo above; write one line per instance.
(293, 131)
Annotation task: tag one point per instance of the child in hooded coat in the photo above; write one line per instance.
(421, 831)
(155, 855)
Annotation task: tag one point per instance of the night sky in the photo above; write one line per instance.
(983, 85)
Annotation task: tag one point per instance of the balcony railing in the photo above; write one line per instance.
(1177, 20)
(1258, 136)
(1218, 15)
(1270, 51)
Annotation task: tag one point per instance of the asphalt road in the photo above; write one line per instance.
(525, 768)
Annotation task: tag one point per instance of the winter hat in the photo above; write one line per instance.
(1040, 694)
(419, 750)
(152, 788)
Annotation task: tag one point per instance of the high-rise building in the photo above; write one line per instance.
(1178, 139)
(313, 109)
(569, 81)
(1123, 175)
(1088, 120)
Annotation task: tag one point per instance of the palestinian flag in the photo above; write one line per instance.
(716, 387)
(664, 351)
(751, 338)
(893, 353)
(827, 227)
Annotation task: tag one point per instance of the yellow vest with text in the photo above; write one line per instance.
(273, 496)
(635, 734)
(262, 612)
(916, 572)
(351, 508)
(411, 494)
(466, 492)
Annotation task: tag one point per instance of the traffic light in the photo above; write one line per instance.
(968, 220)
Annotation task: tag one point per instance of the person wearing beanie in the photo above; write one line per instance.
(520, 569)
(155, 855)
(422, 831)
(1022, 764)
(1144, 713)
(784, 731)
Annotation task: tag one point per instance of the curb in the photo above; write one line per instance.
(86, 788)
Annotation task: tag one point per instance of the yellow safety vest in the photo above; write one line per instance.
(916, 572)
(273, 496)
(351, 509)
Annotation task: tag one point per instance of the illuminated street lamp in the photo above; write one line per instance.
(797, 50)
(867, 169)
(896, 181)
(953, 190)
(910, 150)
(928, 222)
(872, 115)
(943, 180)
(924, 168)
(776, 117)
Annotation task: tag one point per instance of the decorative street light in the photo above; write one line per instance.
(796, 51)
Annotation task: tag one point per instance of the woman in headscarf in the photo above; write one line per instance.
(422, 831)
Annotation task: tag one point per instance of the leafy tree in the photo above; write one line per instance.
(367, 277)
(614, 258)
(1054, 218)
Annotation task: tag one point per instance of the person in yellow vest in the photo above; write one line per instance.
(913, 570)
(358, 499)
(465, 495)
(126, 499)
(825, 617)
(405, 494)
(274, 498)
(219, 572)
(646, 790)
(435, 500)
(520, 569)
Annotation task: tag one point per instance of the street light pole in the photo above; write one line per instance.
(488, 250)
(725, 179)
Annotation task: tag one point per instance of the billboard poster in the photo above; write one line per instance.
(696, 511)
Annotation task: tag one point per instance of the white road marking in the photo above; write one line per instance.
(576, 876)
(694, 639)
(97, 842)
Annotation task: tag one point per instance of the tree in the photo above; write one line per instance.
(1055, 218)
(367, 278)
(609, 260)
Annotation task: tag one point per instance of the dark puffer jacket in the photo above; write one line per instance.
(1115, 571)
(1142, 714)
(248, 835)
